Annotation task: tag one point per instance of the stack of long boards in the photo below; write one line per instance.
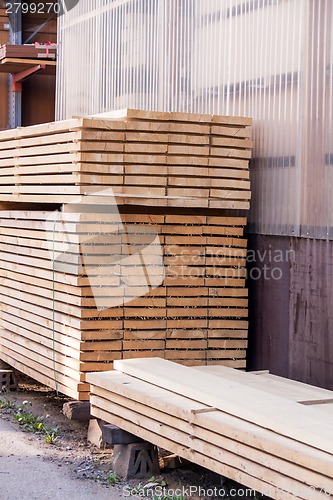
(102, 254)
(148, 158)
(75, 297)
(269, 434)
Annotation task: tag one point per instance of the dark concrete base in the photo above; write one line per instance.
(112, 435)
(135, 460)
(7, 380)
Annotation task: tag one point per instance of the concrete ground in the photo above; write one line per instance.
(28, 472)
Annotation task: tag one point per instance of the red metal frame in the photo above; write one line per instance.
(20, 77)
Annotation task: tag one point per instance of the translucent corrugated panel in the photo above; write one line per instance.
(269, 59)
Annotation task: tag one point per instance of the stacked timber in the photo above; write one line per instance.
(149, 158)
(82, 315)
(237, 428)
(4, 20)
(29, 51)
(103, 257)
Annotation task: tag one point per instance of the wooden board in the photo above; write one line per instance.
(16, 65)
(272, 384)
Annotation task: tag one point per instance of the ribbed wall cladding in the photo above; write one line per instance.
(269, 59)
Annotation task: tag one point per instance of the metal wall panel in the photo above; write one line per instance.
(291, 318)
(269, 59)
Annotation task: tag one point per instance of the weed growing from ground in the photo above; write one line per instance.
(6, 404)
(28, 421)
(113, 478)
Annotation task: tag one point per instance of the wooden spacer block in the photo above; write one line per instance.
(95, 433)
(174, 462)
(77, 410)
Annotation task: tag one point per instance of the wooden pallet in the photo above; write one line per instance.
(270, 443)
(166, 159)
(67, 314)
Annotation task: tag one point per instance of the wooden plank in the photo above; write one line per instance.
(230, 205)
(229, 142)
(273, 385)
(223, 333)
(15, 65)
(223, 161)
(208, 182)
(228, 131)
(41, 129)
(232, 120)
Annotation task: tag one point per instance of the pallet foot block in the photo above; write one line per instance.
(136, 460)
(7, 380)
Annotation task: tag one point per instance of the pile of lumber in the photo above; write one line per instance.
(93, 303)
(103, 257)
(156, 159)
(29, 51)
(4, 21)
(232, 423)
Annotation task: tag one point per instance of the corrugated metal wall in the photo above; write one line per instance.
(269, 59)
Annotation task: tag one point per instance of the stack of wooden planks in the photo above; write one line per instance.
(267, 433)
(76, 308)
(147, 158)
(29, 51)
(125, 268)
(4, 21)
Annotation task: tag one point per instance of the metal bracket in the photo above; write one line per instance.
(20, 77)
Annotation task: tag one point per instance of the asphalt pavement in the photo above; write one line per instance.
(28, 472)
